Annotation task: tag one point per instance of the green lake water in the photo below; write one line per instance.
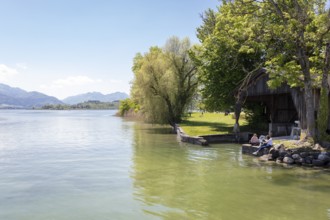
(83, 165)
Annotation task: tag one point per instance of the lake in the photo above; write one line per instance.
(83, 165)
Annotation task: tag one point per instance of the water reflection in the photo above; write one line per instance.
(89, 165)
(180, 181)
(65, 165)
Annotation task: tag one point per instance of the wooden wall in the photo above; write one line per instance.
(279, 108)
(258, 86)
(285, 104)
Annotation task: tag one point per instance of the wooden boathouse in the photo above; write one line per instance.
(283, 106)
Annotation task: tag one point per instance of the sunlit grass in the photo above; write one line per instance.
(210, 123)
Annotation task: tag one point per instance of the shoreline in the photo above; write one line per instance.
(306, 155)
(316, 156)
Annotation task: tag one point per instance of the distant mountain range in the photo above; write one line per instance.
(95, 96)
(18, 98)
(11, 97)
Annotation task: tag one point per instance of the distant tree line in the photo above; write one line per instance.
(93, 105)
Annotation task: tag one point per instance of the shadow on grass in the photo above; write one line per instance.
(214, 126)
(217, 126)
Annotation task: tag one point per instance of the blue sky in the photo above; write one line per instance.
(68, 47)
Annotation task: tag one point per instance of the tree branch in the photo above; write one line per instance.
(278, 11)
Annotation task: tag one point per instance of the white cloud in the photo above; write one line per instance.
(6, 72)
(22, 66)
(74, 81)
(114, 81)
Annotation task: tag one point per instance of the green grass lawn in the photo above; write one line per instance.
(210, 123)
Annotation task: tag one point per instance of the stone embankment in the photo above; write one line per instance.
(305, 156)
(205, 140)
(190, 139)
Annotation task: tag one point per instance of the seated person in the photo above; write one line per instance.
(266, 144)
(262, 138)
(254, 140)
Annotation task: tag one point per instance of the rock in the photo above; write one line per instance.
(304, 154)
(323, 157)
(299, 161)
(309, 160)
(278, 146)
(283, 153)
(315, 155)
(318, 163)
(297, 150)
(296, 156)
(288, 160)
(274, 153)
(288, 155)
(306, 149)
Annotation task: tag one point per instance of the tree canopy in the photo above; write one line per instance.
(164, 81)
(289, 38)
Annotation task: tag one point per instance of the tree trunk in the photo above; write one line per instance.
(238, 109)
(171, 117)
(308, 90)
(310, 117)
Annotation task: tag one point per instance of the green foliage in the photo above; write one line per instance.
(164, 81)
(295, 36)
(298, 35)
(126, 105)
(286, 37)
(255, 116)
(230, 50)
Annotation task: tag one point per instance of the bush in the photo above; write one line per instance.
(126, 105)
(255, 116)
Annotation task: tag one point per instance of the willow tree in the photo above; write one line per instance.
(164, 81)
